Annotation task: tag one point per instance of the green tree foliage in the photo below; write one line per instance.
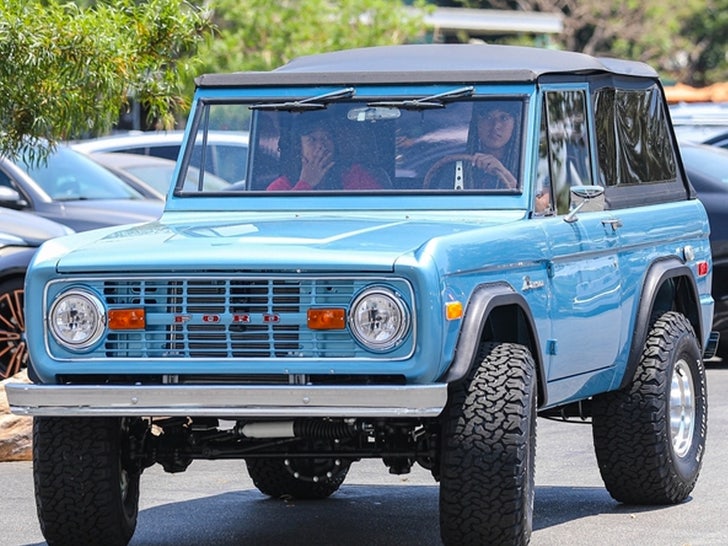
(69, 68)
(684, 40)
(706, 61)
(67, 71)
(261, 35)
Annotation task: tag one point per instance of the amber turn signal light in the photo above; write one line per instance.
(127, 319)
(453, 310)
(326, 319)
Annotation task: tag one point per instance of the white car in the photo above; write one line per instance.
(226, 152)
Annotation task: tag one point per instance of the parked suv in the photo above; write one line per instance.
(434, 245)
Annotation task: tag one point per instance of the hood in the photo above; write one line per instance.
(23, 228)
(92, 214)
(262, 242)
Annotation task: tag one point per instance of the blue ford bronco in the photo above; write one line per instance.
(432, 246)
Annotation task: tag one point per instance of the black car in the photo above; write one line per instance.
(20, 235)
(720, 140)
(707, 169)
(72, 189)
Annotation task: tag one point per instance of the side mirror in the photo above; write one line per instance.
(11, 199)
(585, 199)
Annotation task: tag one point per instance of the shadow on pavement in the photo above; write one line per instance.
(356, 515)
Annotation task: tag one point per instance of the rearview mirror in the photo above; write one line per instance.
(373, 113)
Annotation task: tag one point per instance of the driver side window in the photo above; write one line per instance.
(564, 152)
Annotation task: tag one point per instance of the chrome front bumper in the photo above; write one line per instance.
(227, 400)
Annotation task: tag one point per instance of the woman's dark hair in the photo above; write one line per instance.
(302, 124)
(512, 158)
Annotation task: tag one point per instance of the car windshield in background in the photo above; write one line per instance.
(428, 144)
(67, 175)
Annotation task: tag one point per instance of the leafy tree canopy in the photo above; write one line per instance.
(260, 35)
(67, 71)
(685, 40)
(70, 68)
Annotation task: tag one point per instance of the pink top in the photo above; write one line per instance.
(356, 178)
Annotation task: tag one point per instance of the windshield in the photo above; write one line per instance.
(417, 145)
(68, 175)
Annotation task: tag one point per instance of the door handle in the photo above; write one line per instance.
(615, 223)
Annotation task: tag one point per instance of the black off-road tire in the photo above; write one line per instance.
(85, 490)
(304, 479)
(649, 438)
(488, 450)
(13, 351)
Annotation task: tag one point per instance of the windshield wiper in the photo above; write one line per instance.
(318, 102)
(433, 101)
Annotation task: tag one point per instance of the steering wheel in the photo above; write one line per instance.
(440, 164)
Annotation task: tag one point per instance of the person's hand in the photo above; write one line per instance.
(315, 167)
(490, 164)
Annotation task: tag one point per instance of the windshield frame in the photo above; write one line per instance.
(206, 98)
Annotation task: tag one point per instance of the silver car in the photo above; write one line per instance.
(70, 188)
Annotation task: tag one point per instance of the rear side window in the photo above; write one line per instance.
(634, 140)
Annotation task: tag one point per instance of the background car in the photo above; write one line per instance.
(699, 121)
(72, 189)
(226, 151)
(720, 140)
(142, 186)
(707, 169)
(151, 171)
(20, 235)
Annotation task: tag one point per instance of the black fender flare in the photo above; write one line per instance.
(659, 272)
(483, 300)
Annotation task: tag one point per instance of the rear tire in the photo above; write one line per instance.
(649, 438)
(86, 488)
(488, 450)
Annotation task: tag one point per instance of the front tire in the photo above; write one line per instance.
(488, 450)
(86, 486)
(649, 438)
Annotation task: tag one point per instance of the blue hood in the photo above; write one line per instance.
(248, 242)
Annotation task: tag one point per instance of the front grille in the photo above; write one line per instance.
(230, 318)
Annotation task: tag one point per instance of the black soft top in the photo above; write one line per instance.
(428, 63)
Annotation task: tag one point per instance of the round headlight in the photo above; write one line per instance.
(77, 319)
(378, 319)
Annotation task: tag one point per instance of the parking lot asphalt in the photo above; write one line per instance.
(215, 503)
